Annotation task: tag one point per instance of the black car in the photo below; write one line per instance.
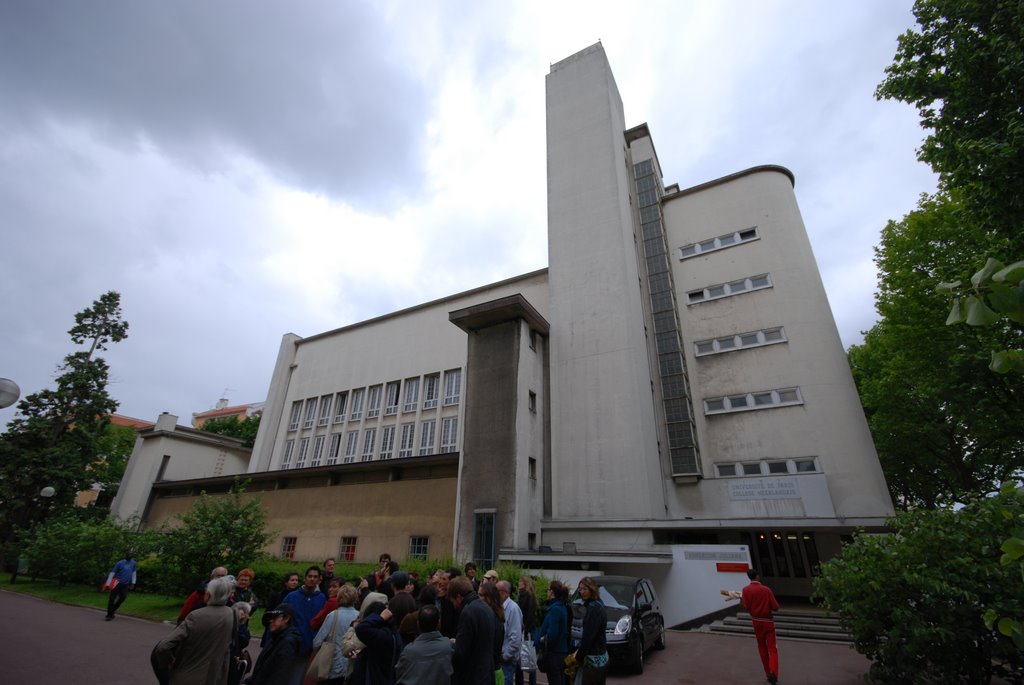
(635, 623)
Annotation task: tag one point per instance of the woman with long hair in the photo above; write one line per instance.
(592, 654)
(488, 592)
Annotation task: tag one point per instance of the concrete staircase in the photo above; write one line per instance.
(809, 624)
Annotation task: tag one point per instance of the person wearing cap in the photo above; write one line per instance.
(491, 575)
(282, 656)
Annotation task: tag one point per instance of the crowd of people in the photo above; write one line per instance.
(389, 628)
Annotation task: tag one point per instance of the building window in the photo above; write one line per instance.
(387, 442)
(325, 410)
(391, 399)
(351, 445)
(533, 340)
(318, 450)
(768, 467)
(300, 461)
(719, 243)
(405, 446)
(449, 434)
(412, 394)
(767, 399)
(310, 413)
(452, 386)
(347, 551)
(418, 546)
(765, 336)
(357, 404)
(288, 547)
(373, 403)
(289, 449)
(715, 292)
(483, 538)
(369, 442)
(293, 421)
(431, 387)
(334, 448)
(340, 402)
(532, 468)
(533, 402)
(427, 434)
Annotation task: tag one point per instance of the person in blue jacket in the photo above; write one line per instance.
(553, 634)
(124, 573)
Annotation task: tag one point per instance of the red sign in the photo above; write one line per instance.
(729, 567)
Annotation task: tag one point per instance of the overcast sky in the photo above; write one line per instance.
(240, 170)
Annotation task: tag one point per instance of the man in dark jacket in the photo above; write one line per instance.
(474, 643)
(279, 658)
(375, 664)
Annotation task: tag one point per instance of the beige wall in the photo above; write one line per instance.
(382, 515)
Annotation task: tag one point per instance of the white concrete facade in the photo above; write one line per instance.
(674, 377)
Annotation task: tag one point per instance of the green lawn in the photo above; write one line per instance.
(141, 605)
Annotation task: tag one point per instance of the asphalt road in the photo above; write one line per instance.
(45, 643)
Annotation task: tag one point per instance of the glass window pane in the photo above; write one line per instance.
(727, 469)
(752, 469)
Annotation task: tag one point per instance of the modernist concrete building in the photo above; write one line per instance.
(674, 376)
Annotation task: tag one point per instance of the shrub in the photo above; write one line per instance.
(914, 600)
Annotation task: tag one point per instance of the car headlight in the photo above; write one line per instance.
(622, 627)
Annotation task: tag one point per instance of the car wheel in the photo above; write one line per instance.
(638, 655)
(660, 642)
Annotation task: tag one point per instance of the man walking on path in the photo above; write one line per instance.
(759, 600)
(120, 581)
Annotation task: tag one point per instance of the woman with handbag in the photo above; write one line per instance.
(592, 654)
(332, 633)
(552, 641)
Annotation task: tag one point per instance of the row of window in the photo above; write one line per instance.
(720, 290)
(768, 467)
(765, 399)
(418, 547)
(765, 336)
(395, 394)
(318, 450)
(719, 243)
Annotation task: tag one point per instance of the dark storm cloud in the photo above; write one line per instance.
(305, 88)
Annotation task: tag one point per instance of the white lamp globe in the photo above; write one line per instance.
(9, 392)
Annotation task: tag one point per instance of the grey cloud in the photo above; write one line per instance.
(308, 89)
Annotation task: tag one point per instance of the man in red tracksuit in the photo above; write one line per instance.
(760, 602)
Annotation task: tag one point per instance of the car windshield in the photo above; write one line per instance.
(614, 594)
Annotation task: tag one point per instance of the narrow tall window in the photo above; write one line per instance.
(405, 446)
(412, 394)
(357, 404)
(334, 448)
(347, 551)
(351, 446)
(427, 437)
(310, 413)
(483, 538)
(391, 398)
(289, 449)
(387, 442)
(449, 433)
(300, 461)
(431, 386)
(340, 403)
(293, 421)
(452, 386)
(369, 442)
(288, 547)
(325, 410)
(373, 404)
(318, 450)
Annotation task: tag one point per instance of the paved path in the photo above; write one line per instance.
(45, 643)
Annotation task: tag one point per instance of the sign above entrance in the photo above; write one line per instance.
(764, 488)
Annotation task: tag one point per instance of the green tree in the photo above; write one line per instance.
(57, 434)
(914, 600)
(223, 530)
(963, 68)
(245, 429)
(944, 427)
